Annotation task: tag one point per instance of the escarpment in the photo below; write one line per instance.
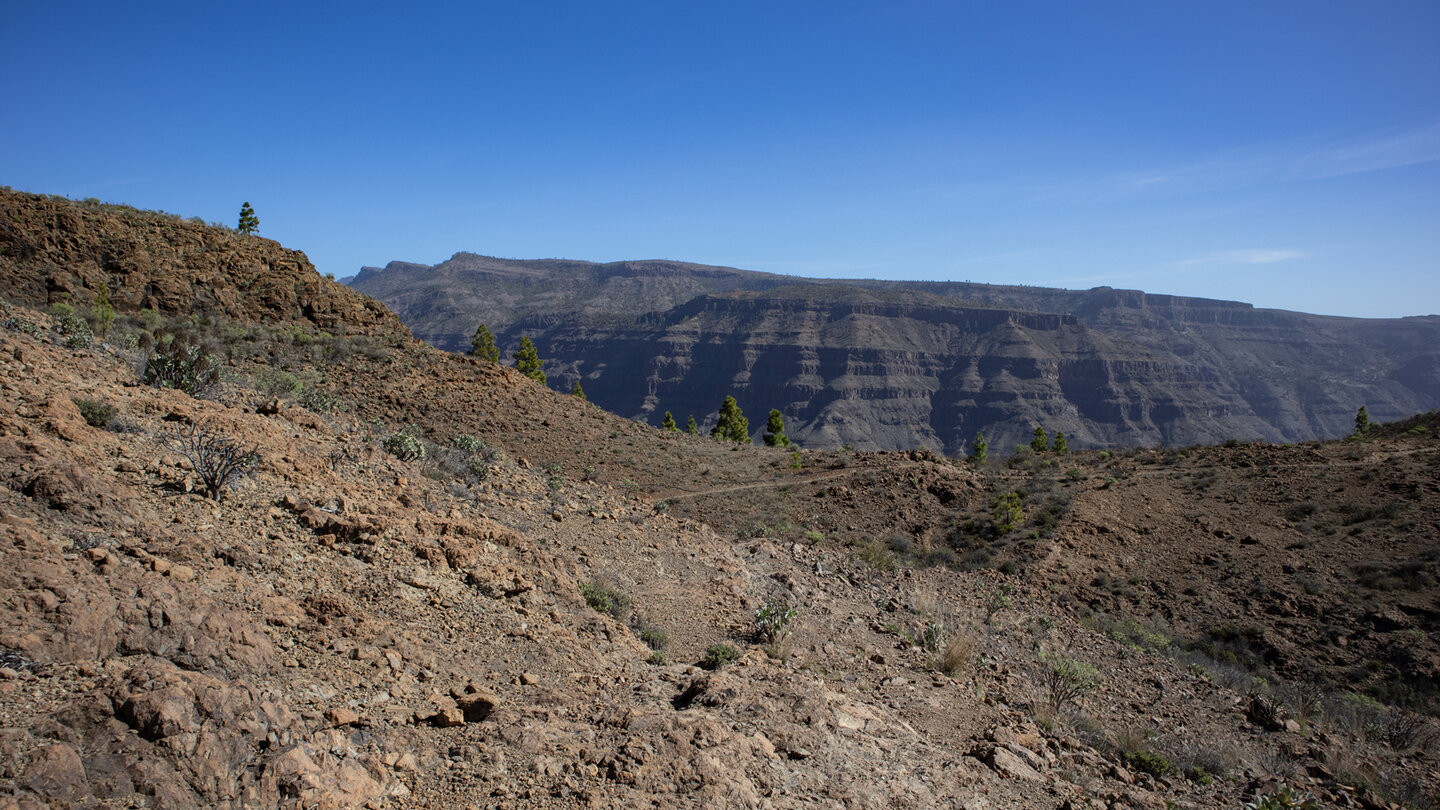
(898, 365)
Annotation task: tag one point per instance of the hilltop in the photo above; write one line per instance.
(889, 365)
(441, 585)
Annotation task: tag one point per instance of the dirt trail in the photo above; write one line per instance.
(806, 479)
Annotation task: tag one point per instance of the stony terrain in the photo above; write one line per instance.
(518, 618)
(886, 365)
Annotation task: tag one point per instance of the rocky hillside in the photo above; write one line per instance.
(433, 583)
(896, 365)
(55, 250)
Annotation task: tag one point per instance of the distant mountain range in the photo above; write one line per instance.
(892, 365)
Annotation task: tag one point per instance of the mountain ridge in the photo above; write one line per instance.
(1216, 369)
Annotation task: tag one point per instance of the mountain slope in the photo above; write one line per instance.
(478, 625)
(894, 365)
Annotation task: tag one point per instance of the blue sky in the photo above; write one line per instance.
(1281, 153)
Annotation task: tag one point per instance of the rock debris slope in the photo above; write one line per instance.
(516, 618)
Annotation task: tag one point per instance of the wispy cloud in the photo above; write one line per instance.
(1248, 256)
(818, 268)
(1291, 161)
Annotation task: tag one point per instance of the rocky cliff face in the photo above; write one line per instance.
(895, 365)
(881, 376)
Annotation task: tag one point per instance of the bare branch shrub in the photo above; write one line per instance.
(217, 458)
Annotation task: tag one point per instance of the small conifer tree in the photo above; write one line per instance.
(577, 391)
(775, 430)
(1362, 422)
(249, 223)
(1040, 443)
(482, 345)
(731, 423)
(979, 449)
(691, 426)
(104, 311)
(1062, 446)
(528, 362)
(669, 423)
(1006, 514)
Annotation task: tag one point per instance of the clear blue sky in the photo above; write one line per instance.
(1281, 153)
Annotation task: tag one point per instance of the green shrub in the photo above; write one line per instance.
(76, 331)
(718, 656)
(655, 638)
(877, 556)
(772, 621)
(183, 366)
(1150, 762)
(13, 321)
(1282, 798)
(1066, 679)
(318, 400)
(997, 600)
(605, 599)
(466, 443)
(95, 414)
(477, 468)
(933, 637)
(406, 445)
(276, 382)
(1128, 631)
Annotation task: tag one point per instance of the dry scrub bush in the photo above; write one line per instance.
(217, 458)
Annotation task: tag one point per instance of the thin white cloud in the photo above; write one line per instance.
(1248, 256)
(1291, 161)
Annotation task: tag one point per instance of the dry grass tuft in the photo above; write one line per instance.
(958, 652)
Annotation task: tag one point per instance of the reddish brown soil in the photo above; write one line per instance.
(307, 640)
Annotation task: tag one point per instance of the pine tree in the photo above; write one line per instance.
(528, 362)
(1061, 445)
(979, 449)
(775, 431)
(577, 391)
(249, 223)
(692, 427)
(731, 423)
(669, 423)
(1040, 443)
(1006, 514)
(482, 345)
(1362, 422)
(104, 311)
